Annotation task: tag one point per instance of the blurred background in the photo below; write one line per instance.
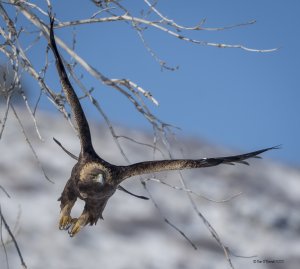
(225, 101)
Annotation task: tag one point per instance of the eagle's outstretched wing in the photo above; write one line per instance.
(81, 121)
(158, 166)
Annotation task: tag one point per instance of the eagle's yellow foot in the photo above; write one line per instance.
(65, 219)
(65, 222)
(78, 224)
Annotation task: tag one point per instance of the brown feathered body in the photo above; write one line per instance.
(92, 184)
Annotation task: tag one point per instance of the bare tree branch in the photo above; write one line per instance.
(24, 266)
(158, 26)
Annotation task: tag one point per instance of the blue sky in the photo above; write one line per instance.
(229, 97)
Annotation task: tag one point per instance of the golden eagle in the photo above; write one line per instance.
(93, 179)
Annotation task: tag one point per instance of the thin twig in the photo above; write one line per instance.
(140, 33)
(3, 243)
(5, 115)
(131, 86)
(5, 191)
(141, 143)
(65, 150)
(32, 115)
(165, 219)
(198, 26)
(13, 238)
(194, 193)
(29, 144)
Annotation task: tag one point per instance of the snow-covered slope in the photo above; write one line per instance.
(263, 221)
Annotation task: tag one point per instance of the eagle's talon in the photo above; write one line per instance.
(75, 228)
(71, 226)
(65, 222)
(78, 224)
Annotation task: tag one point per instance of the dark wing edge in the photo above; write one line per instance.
(179, 164)
(242, 157)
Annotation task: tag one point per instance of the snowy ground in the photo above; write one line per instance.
(263, 221)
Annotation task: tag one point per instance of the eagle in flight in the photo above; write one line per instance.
(95, 180)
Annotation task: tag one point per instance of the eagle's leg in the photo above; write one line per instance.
(67, 201)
